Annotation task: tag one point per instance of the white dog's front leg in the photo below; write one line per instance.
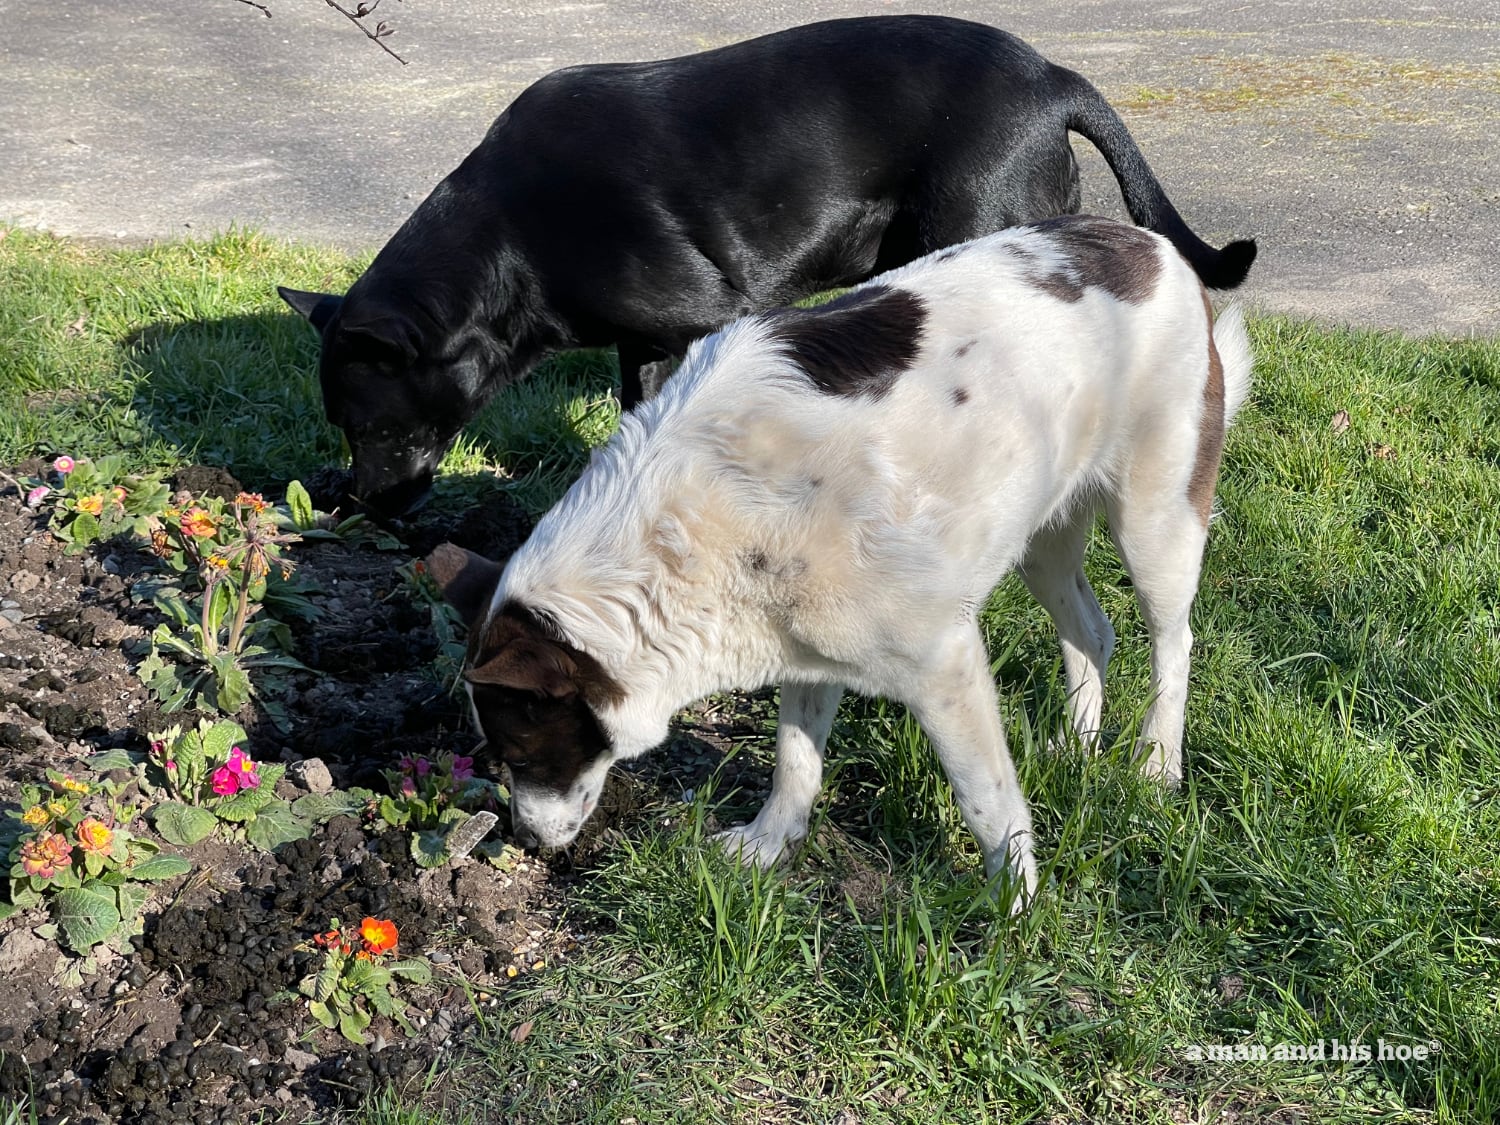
(806, 717)
(958, 710)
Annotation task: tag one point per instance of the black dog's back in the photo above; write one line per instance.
(709, 185)
(647, 204)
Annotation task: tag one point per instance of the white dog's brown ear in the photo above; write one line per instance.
(528, 664)
(467, 580)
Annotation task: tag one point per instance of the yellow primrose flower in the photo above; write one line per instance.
(93, 505)
(35, 816)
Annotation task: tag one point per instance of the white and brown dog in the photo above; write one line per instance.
(824, 498)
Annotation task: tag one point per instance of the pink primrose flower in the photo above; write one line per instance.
(64, 464)
(37, 495)
(463, 768)
(247, 771)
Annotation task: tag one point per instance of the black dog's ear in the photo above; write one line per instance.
(318, 308)
(386, 328)
(467, 580)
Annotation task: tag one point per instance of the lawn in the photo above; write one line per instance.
(1329, 871)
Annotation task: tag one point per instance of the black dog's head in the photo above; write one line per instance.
(398, 385)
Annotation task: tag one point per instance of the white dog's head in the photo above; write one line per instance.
(533, 697)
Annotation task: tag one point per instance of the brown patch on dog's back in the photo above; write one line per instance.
(1200, 490)
(857, 344)
(1123, 261)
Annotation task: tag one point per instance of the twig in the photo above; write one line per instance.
(382, 29)
(265, 11)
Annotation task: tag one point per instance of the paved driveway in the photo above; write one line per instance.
(1359, 140)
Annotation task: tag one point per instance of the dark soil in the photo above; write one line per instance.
(200, 1019)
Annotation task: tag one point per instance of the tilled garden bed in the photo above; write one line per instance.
(198, 1017)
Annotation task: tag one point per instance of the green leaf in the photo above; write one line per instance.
(326, 981)
(499, 854)
(130, 900)
(86, 917)
(183, 825)
(430, 847)
(246, 804)
(323, 1014)
(392, 813)
(233, 684)
(84, 528)
(219, 738)
(112, 760)
(7, 909)
(93, 863)
(300, 505)
(160, 867)
(320, 807)
(275, 825)
(414, 969)
(352, 1024)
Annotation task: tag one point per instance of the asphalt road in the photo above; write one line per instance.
(1358, 140)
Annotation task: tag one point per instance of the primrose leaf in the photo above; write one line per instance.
(275, 825)
(300, 505)
(131, 900)
(86, 917)
(323, 1014)
(414, 969)
(352, 1024)
(220, 738)
(183, 825)
(160, 867)
(430, 847)
(112, 760)
(319, 807)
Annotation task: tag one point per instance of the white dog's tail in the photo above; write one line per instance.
(1234, 352)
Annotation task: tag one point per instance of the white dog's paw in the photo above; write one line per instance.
(1012, 875)
(1158, 765)
(755, 845)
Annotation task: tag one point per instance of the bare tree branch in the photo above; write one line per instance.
(382, 29)
(364, 8)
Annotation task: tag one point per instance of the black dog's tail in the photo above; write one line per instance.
(1090, 115)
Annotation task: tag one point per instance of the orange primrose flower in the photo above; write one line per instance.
(95, 835)
(92, 505)
(198, 524)
(380, 934)
(44, 855)
(117, 495)
(252, 500)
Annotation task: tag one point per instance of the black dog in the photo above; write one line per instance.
(647, 204)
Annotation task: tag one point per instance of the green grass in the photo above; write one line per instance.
(1330, 868)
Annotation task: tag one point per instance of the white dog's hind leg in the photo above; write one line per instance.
(806, 717)
(1161, 539)
(955, 704)
(1053, 572)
